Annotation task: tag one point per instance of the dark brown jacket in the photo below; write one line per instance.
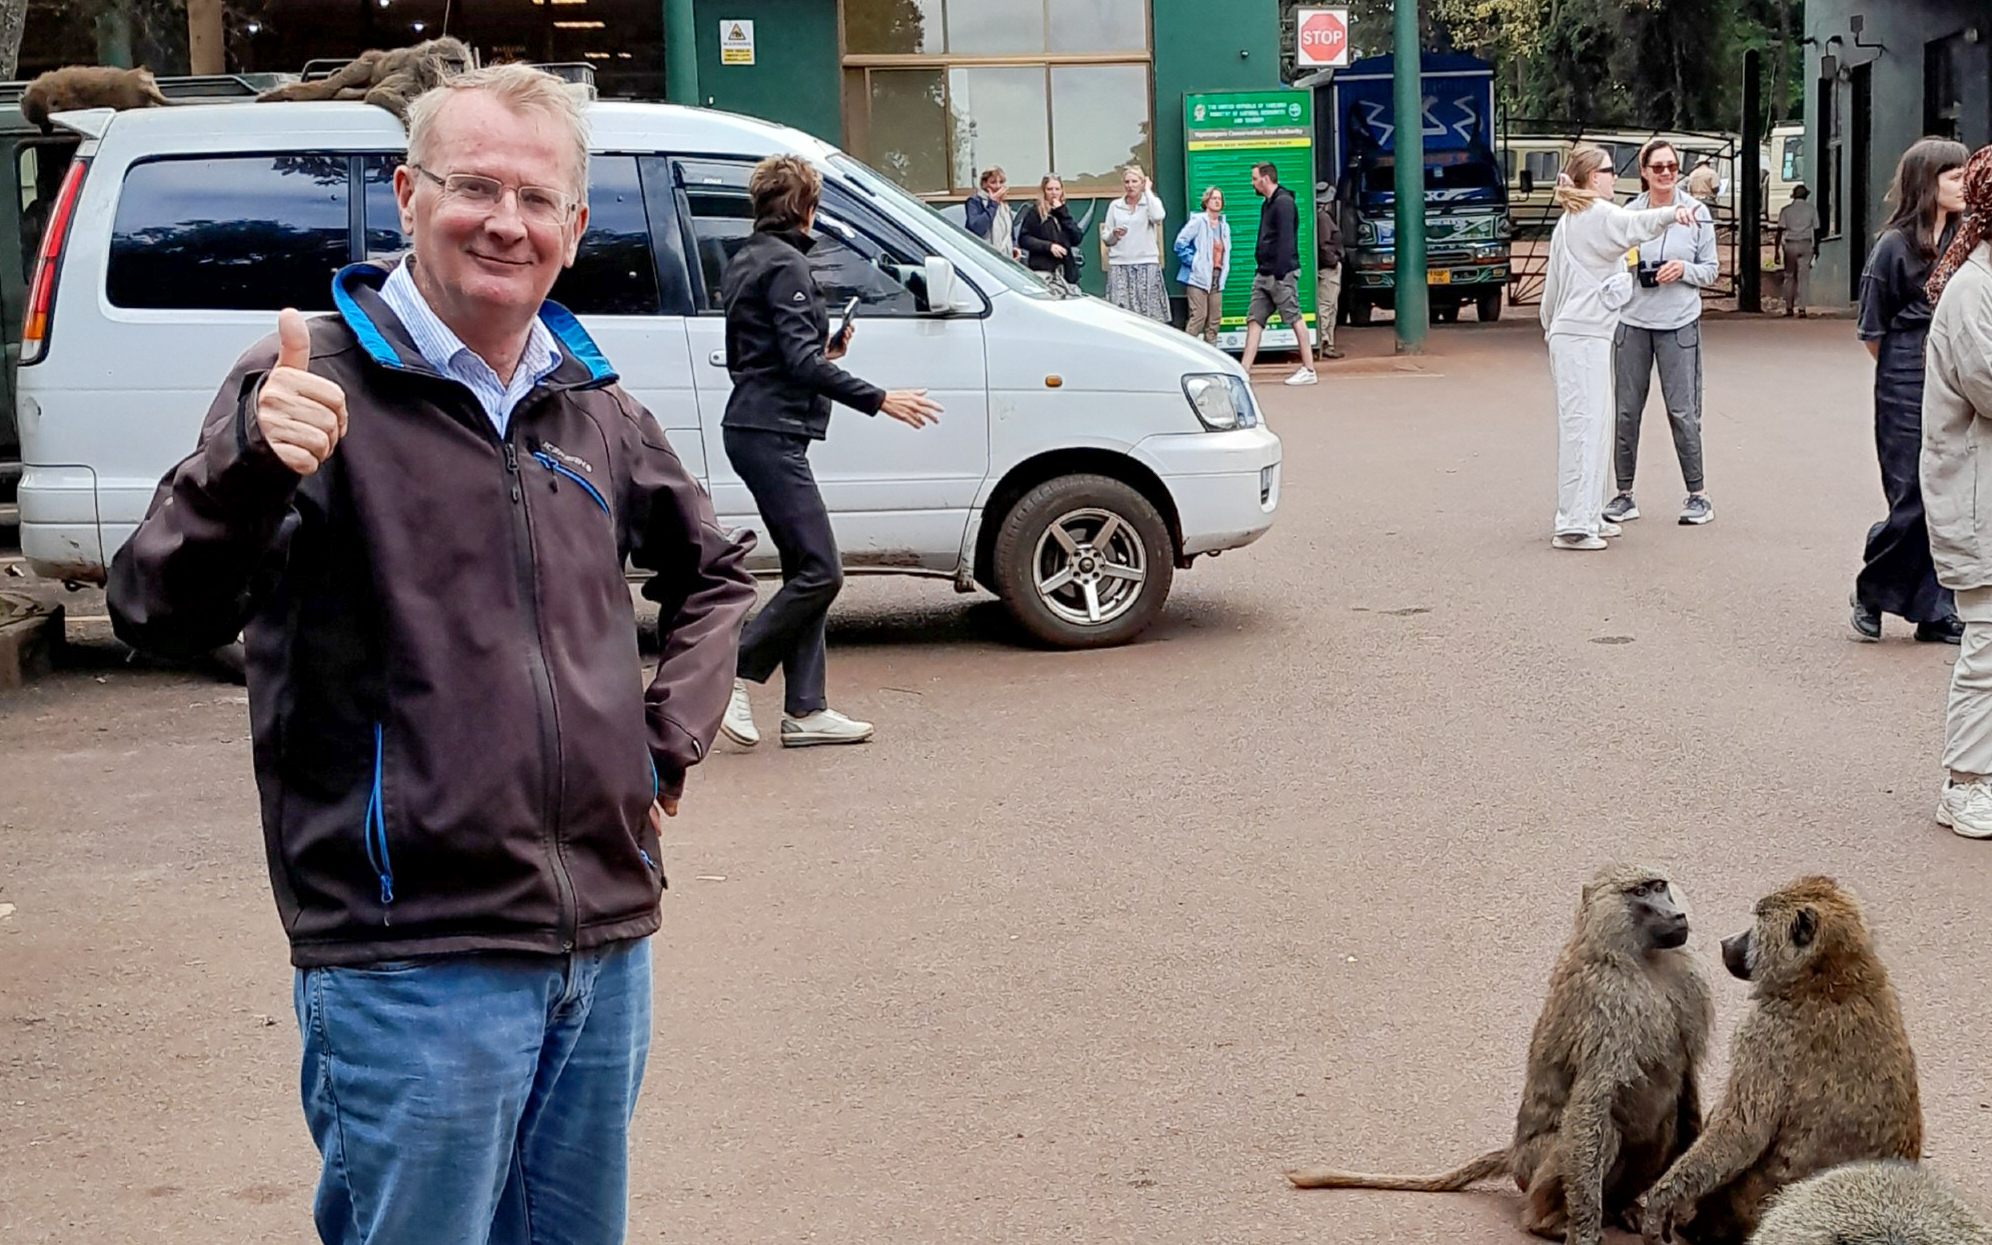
(452, 742)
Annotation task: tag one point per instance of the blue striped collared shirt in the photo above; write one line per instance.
(445, 352)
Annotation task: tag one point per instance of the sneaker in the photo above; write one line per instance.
(1966, 807)
(1608, 528)
(825, 726)
(1622, 508)
(1302, 376)
(738, 724)
(1577, 540)
(1949, 631)
(1801, 313)
(1696, 510)
(1866, 621)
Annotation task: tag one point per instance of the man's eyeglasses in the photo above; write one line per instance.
(539, 204)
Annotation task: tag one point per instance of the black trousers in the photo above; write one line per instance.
(1897, 575)
(788, 632)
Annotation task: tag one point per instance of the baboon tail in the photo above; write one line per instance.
(1493, 1163)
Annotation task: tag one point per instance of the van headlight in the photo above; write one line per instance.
(1221, 401)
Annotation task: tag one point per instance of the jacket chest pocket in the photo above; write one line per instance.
(576, 507)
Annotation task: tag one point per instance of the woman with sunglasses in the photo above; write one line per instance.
(1661, 327)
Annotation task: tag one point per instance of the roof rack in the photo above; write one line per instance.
(186, 86)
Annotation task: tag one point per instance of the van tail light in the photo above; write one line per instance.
(48, 262)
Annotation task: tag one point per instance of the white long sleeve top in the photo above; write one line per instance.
(1138, 245)
(1587, 283)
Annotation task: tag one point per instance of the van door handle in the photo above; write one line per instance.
(717, 358)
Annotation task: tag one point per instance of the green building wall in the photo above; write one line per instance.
(1199, 45)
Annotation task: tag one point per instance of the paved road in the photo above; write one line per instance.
(1087, 947)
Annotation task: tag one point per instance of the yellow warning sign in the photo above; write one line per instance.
(736, 42)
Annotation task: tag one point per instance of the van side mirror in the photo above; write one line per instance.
(944, 287)
(1528, 182)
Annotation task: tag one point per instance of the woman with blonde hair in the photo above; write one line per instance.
(1132, 233)
(1049, 238)
(1584, 289)
(1204, 247)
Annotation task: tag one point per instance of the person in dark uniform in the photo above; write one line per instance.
(1897, 576)
(779, 353)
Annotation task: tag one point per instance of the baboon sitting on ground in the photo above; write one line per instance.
(1820, 1069)
(88, 86)
(1610, 1097)
(1877, 1203)
(389, 79)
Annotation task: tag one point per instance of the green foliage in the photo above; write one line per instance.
(1661, 64)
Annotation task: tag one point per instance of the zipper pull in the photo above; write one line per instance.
(512, 467)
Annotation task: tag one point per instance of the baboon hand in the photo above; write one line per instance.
(1659, 1215)
(300, 415)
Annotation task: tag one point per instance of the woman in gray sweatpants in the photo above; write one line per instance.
(1661, 327)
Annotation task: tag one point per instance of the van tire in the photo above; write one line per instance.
(1028, 554)
(1489, 304)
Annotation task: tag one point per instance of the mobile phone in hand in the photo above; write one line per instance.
(844, 326)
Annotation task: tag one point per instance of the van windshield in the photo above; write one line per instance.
(1011, 273)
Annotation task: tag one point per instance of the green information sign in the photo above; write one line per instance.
(1225, 134)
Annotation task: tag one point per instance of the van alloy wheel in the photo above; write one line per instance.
(1090, 567)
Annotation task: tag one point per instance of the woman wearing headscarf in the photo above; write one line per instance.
(1585, 287)
(1896, 575)
(1956, 471)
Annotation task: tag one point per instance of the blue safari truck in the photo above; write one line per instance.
(1467, 229)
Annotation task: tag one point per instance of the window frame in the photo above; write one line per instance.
(857, 129)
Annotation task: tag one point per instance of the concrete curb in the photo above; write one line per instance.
(30, 634)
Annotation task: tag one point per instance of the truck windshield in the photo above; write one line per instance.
(1381, 179)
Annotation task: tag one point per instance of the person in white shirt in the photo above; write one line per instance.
(1133, 237)
(1586, 286)
(1661, 327)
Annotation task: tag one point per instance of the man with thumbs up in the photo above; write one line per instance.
(417, 513)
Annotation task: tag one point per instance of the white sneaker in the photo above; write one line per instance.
(1967, 808)
(1577, 540)
(1302, 376)
(738, 724)
(1608, 528)
(825, 726)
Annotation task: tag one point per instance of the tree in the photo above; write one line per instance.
(13, 20)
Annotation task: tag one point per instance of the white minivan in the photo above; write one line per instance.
(1085, 455)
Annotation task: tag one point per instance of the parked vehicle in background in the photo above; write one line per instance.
(1784, 169)
(1085, 454)
(1466, 198)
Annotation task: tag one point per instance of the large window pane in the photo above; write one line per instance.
(251, 233)
(998, 117)
(979, 27)
(909, 128)
(892, 26)
(1100, 121)
(1100, 26)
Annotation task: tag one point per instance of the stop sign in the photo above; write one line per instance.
(1323, 36)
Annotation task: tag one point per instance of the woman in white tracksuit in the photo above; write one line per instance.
(1586, 286)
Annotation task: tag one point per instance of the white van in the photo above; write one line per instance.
(1085, 455)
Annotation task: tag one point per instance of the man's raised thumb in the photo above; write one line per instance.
(293, 340)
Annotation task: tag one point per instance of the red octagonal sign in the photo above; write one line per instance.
(1323, 36)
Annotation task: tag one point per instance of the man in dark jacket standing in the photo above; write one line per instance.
(779, 353)
(1276, 284)
(417, 512)
(1328, 269)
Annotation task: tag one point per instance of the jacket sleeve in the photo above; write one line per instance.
(1625, 228)
(184, 583)
(1967, 356)
(1152, 204)
(977, 213)
(1703, 269)
(1061, 218)
(1027, 226)
(792, 300)
(702, 590)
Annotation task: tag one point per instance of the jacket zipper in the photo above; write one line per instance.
(560, 469)
(522, 544)
(375, 833)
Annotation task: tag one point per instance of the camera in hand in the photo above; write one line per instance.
(1649, 273)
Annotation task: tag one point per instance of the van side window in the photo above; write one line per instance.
(246, 233)
(613, 273)
(855, 255)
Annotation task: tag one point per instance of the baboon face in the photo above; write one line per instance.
(454, 57)
(1637, 904)
(1787, 931)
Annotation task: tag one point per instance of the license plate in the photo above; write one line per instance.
(1439, 276)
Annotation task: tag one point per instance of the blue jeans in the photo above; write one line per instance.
(475, 1100)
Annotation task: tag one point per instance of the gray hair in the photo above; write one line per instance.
(520, 88)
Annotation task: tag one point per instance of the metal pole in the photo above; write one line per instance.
(1409, 137)
(1749, 198)
(681, 53)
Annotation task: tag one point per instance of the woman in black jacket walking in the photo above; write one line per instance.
(784, 378)
(1049, 237)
